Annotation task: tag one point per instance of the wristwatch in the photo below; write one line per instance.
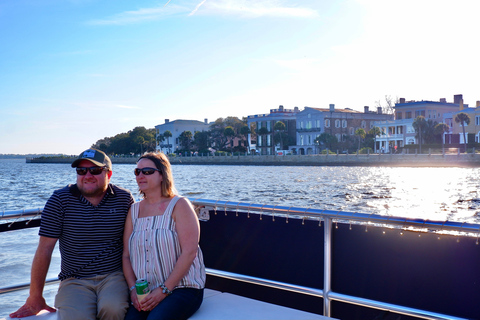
(165, 289)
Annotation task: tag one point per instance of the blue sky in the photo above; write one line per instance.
(75, 71)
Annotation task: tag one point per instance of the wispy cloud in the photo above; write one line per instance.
(197, 7)
(255, 8)
(138, 16)
(239, 8)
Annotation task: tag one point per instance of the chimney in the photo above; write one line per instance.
(332, 107)
(295, 109)
(206, 121)
(280, 107)
(167, 120)
(402, 100)
(379, 110)
(443, 100)
(457, 98)
(366, 109)
(478, 104)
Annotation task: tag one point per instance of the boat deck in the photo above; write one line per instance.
(222, 305)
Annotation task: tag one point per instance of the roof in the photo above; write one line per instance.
(346, 110)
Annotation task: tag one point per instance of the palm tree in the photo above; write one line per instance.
(167, 134)
(463, 118)
(360, 132)
(376, 132)
(229, 132)
(279, 128)
(441, 128)
(419, 125)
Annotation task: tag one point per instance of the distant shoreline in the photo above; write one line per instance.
(379, 160)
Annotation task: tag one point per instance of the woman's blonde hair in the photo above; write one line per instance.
(163, 164)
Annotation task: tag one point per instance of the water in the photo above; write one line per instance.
(427, 193)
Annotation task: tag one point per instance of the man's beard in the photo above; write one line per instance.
(93, 193)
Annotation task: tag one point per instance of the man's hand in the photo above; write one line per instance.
(32, 307)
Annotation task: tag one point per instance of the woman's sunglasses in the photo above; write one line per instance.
(93, 170)
(145, 171)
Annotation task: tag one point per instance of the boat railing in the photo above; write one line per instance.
(18, 219)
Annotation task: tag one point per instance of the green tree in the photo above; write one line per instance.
(419, 125)
(167, 134)
(200, 139)
(229, 132)
(430, 131)
(185, 140)
(375, 132)
(463, 119)
(440, 129)
(244, 131)
(326, 139)
(361, 134)
(217, 136)
(279, 128)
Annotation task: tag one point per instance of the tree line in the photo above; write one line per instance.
(225, 131)
(220, 136)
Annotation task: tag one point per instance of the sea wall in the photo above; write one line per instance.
(386, 160)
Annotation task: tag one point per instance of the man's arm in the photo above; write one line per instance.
(41, 262)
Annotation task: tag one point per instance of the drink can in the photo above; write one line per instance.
(141, 286)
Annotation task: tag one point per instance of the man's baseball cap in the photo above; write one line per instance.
(96, 157)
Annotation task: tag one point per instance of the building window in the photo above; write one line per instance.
(337, 123)
(301, 140)
(364, 124)
(309, 124)
(338, 136)
(477, 120)
(309, 139)
(327, 123)
(351, 131)
(419, 113)
(399, 115)
(408, 115)
(317, 124)
(344, 123)
(301, 124)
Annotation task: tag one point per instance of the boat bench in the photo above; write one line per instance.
(226, 306)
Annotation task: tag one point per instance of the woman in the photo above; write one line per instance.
(161, 245)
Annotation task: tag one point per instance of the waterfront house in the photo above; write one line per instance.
(176, 127)
(400, 132)
(265, 143)
(472, 130)
(341, 123)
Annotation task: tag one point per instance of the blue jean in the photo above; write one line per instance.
(181, 304)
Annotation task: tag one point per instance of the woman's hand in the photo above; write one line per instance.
(134, 299)
(152, 299)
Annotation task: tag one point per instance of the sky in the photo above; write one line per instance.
(75, 71)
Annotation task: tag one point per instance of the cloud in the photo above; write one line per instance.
(138, 16)
(197, 7)
(255, 9)
(239, 8)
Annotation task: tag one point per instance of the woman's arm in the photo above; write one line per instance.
(126, 264)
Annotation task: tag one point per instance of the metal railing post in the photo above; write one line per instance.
(327, 265)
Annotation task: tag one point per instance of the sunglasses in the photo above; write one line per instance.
(145, 171)
(93, 170)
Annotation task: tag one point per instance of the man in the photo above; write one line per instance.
(87, 218)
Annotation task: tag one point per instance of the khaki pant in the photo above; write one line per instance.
(102, 297)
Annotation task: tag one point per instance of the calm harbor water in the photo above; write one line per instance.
(427, 193)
